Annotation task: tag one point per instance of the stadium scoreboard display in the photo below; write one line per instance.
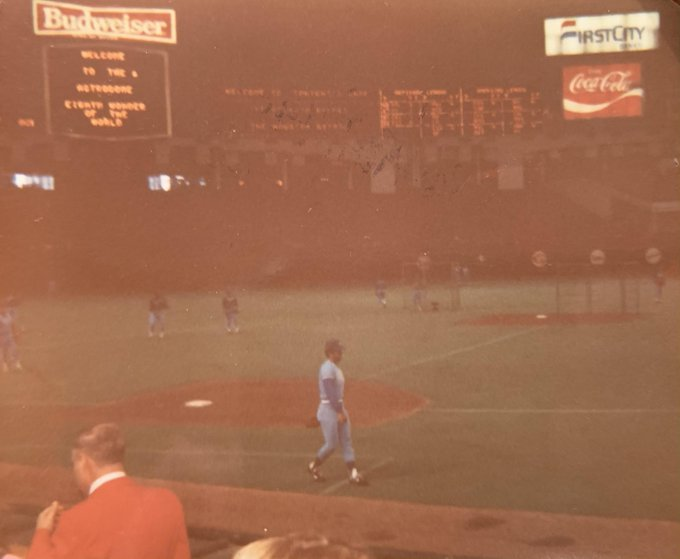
(473, 111)
(478, 111)
(106, 92)
(303, 111)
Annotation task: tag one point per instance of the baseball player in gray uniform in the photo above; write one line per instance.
(333, 417)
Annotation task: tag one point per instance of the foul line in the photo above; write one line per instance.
(333, 488)
(454, 352)
(585, 411)
(169, 334)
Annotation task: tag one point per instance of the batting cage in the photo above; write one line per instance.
(598, 289)
(568, 291)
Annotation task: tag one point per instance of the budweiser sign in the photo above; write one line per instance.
(59, 18)
(602, 91)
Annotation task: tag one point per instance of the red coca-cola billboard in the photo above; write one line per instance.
(613, 90)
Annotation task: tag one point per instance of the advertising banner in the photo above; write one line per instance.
(598, 34)
(131, 24)
(613, 90)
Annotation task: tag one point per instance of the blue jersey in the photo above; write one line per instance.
(6, 328)
(158, 304)
(230, 305)
(331, 383)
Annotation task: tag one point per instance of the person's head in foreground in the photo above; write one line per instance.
(97, 451)
(300, 546)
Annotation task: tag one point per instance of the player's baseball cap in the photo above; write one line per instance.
(333, 345)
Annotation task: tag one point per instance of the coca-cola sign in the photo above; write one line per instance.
(132, 24)
(614, 90)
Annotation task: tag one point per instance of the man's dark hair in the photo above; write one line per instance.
(103, 443)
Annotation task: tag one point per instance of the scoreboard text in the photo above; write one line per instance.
(474, 111)
(107, 92)
(418, 113)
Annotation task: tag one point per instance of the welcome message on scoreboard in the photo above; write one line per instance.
(107, 92)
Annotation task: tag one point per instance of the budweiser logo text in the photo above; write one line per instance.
(58, 18)
(612, 82)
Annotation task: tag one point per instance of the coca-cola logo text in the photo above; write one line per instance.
(613, 82)
(603, 91)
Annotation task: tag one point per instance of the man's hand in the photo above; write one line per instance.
(16, 550)
(341, 418)
(47, 519)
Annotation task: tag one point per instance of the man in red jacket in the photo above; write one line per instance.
(119, 519)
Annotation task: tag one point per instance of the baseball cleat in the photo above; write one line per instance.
(314, 472)
(356, 478)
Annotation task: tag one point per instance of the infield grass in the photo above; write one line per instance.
(575, 418)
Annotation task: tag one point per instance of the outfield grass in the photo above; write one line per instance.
(574, 418)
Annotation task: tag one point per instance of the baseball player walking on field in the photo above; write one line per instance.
(158, 305)
(333, 417)
(8, 344)
(230, 308)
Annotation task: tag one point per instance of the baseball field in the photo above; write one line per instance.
(527, 433)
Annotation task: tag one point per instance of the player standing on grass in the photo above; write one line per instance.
(8, 345)
(157, 307)
(333, 417)
(659, 282)
(419, 294)
(381, 292)
(423, 266)
(230, 308)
